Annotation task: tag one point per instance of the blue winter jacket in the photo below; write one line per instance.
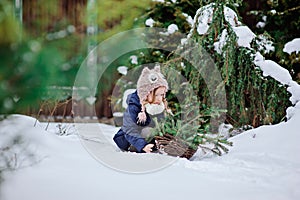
(130, 132)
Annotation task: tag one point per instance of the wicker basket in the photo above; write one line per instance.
(174, 146)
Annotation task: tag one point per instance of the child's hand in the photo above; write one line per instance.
(142, 117)
(148, 148)
(170, 112)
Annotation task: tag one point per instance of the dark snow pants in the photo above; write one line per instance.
(121, 141)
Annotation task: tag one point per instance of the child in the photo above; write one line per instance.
(146, 102)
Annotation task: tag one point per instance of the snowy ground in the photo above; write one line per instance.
(263, 164)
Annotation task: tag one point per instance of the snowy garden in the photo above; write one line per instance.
(234, 76)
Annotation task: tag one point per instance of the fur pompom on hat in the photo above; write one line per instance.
(149, 80)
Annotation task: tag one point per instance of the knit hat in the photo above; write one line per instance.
(149, 80)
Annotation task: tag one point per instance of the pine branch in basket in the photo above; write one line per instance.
(174, 146)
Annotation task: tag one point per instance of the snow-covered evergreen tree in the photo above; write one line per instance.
(252, 98)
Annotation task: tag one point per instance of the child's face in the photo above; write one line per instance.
(158, 96)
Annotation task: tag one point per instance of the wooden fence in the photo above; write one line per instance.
(68, 108)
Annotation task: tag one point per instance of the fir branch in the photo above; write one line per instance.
(286, 11)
